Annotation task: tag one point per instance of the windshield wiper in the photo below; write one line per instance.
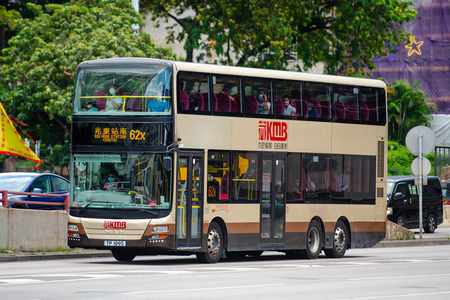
(89, 204)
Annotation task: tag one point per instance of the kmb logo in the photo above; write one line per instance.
(114, 225)
(272, 131)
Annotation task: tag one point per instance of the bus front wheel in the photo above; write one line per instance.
(123, 255)
(340, 241)
(214, 245)
(313, 240)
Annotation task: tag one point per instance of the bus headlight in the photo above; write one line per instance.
(160, 228)
(73, 227)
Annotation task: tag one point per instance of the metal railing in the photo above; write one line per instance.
(5, 202)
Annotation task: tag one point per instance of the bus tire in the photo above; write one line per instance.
(340, 241)
(123, 255)
(314, 240)
(214, 245)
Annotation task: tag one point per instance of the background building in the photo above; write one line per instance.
(426, 57)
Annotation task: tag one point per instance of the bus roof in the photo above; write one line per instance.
(266, 73)
(241, 71)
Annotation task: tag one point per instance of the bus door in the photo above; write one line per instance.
(273, 200)
(189, 201)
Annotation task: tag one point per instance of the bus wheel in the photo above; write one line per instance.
(313, 240)
(214, 245)
(123, 255)
(340, 241)
(431, 224)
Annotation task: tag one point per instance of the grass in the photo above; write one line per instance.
(407, 237)
(5, 250)
(42, 251)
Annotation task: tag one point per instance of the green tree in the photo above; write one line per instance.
(262, 33)
(407, 108)
(10, 11)
(400, 159)
(38, 66)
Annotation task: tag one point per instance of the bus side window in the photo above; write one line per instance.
(218, 177)
(196, 84)
(294, 193)
(244, 176)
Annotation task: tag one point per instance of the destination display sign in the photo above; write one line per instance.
(126, 134)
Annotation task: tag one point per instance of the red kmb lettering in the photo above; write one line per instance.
(272, 131)
(114, 225)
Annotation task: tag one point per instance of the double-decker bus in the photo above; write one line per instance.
(182, 158)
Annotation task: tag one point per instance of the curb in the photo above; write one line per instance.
(412, 243)
(28, 256)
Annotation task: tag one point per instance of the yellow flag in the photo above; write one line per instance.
(10, 141)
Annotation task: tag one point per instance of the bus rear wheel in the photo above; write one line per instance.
(214, 245)
(123, 255)
(314, 240)
(340, 241)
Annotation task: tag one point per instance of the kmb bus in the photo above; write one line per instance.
(182, 158)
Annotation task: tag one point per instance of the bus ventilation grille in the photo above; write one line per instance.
(380, 192)
(380, 166)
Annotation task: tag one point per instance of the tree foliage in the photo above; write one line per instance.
(406, 109)
(38, 66)
(10, 10)
(262, 33)
(400, 159)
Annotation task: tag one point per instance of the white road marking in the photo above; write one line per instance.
(19, 281)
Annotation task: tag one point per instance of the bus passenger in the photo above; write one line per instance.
(113, 103)
(194, 104)
(263, 104)
(91, 106)
(226, 91)
(158, 105)
(288, 109)
(312, 111)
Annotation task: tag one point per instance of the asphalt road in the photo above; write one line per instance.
(376, 273)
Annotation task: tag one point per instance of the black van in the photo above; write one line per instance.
(403, 202)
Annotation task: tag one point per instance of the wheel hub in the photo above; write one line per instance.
(213, 242)
(313, 240)
(339, 239)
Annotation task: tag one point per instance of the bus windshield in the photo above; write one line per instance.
(116, 91)
(121, 181)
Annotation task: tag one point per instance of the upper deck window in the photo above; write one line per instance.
(124, 91)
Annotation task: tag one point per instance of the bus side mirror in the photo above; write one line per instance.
(167, 163)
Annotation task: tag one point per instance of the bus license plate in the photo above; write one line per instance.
(115, 243)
